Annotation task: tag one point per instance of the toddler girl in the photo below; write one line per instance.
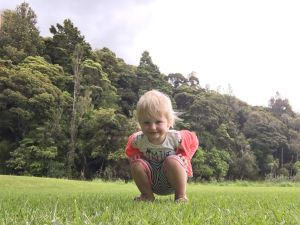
(160, 158)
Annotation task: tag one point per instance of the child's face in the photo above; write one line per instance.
(155, 128)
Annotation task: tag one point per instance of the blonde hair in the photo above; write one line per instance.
(155, 103)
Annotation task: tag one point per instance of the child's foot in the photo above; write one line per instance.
(144, 198)
(181, 199)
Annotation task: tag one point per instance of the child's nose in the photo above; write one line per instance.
(152, 126)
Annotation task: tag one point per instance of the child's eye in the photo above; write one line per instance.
(158, 122)
(146, 122)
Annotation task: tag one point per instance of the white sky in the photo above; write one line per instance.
(252, 45)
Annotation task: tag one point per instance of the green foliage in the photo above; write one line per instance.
(61, 47)
(5, 148)
(122, 76)
(280, 106)
(200, 168)
(19, 36)
(294, 143)
(210, 165)
(103, 93)
(297, 167)
(184, 100)
(54, 72)
(29, 102)
(243, 166)
(176, 79)
(208, 112)
(283, 172)
(149, 76)
(32, 157)
(13, 54)
(26, 95)
(105, 130)
(267, 135)
(101, 134)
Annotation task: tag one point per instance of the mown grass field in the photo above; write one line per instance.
(29, 200)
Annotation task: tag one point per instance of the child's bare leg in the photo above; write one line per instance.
(141, 180)
(177, 177)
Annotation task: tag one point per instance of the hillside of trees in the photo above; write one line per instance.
(66, 110)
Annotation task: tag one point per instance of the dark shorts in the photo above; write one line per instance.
(156, 175)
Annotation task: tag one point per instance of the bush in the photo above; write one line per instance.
(283, 172)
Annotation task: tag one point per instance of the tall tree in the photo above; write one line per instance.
(266, 135)
(280, 106)
(30, 113)
(176, 79)
(193, 80)
(294, 144)
(19, 36)
(149, 76)
(122, 76)
(61, 47)
(96, 81)
(77, 75)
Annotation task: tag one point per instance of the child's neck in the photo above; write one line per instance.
(157, 141)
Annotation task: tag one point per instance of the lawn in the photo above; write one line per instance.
(29, 200)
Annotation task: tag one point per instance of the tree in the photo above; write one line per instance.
(54, 72)
(92, 89)
(243, 166)
(297, 168)
(96, 81)
(267, 135)
(102, 133)
(184, 100)
(209, 111)
(61, 47)
(35, 155)
(26, 96)
(31, 108)
(146, 64)
(123, 78)
(223, 136)
(77, 74)
(280, 106)
(149, 76)
(294, 143)
(176, 79)
(193, 80)
(213, 165)
(19, 36)
(272, 165)
(201, 171)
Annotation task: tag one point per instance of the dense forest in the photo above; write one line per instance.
(66, 110)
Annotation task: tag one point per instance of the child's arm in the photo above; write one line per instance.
(132, 152)
(189, 144)
(187, 148)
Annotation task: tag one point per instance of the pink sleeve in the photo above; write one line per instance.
(131, 151)
(189, 144)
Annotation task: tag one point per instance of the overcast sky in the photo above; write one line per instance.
(252, 45)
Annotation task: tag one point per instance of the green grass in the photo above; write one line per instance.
(29, 200)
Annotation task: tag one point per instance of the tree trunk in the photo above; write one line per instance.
(281, 166)
(74, 126)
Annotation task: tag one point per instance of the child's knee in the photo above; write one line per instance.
(172, 161)
(138, 165)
